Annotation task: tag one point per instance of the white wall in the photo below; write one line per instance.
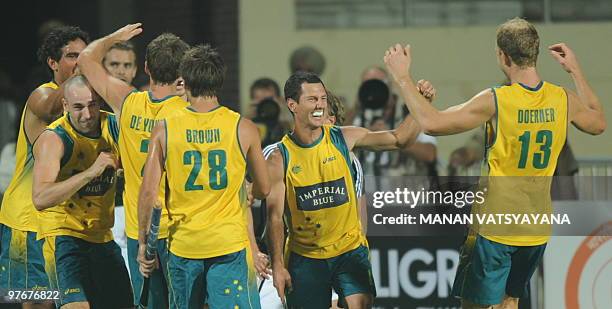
(459, 61)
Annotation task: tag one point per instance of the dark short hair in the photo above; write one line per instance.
(203, 70)
(293, 85)
(264, 83)
(163, 57)
(56, 39)
(519, 40)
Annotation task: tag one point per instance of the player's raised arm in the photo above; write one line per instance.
(256, 163)
(585, 111)
(48, 153)
(111, 89)
(275, 203)
(401, 137)
(455, 119)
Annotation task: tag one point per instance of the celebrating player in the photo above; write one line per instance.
(137, 112)
(526, 124)
(74, 190)
(18, 217)
(205, 150)
(312, 169)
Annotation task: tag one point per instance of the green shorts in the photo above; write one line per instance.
(312, 279)
(87, 272)
(22, 265)
(226, 281)
(158, 288)
(489, 270)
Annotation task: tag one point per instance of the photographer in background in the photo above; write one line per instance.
(266, 111)
(377, 108)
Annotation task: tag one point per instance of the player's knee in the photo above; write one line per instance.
(359, 301)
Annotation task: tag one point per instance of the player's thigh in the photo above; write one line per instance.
(230, 281)
(310, 281)
(485, 270)
(22, 265)
(352, 278)
(525, 261)
(158, 284)
(185, 282)
(111, 284)
(67, 265)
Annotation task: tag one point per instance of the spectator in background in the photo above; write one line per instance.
(418, 159)
(120, 62)
(272, 119)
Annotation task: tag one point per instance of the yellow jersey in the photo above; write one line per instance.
(323, 211)
(138, 118)
(88, 214)
(18, 211)
(521, 157)
(205, 170)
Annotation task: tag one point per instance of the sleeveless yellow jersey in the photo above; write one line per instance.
(323, 216)
(530, 131)
(17, 209)
(88, 214)
(205, 170)
(138, 117)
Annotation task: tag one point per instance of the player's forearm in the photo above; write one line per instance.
(585, 92)
(406, 133)
(363, 214)
(47, 195)
(146, 200)
(420, 109)
(276, 238)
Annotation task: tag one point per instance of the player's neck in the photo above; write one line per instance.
(203, 104)
(527, 76)
(161, 91)
(305, 134)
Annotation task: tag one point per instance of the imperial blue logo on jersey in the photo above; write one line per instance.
(321, 195)
(99, 185)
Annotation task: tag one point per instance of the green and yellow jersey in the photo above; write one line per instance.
(88, 214)
(18, 211)
(522, 151)
(139, 114)
(323, 212)
(205, 170)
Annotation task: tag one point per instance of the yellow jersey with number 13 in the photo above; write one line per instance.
(522, 157)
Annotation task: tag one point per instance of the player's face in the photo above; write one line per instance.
(121, 64)
(65, 67)
(83, 106)
(311, 109)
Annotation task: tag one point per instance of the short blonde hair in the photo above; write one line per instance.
(336, 108)
(519, 40)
